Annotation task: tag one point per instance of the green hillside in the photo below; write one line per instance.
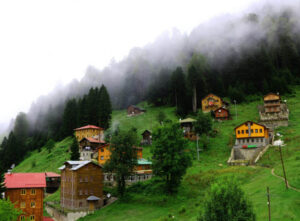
(144, 203)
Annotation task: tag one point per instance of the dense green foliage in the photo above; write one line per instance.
(105, 109)
(203, 125)
(8, 211)
(226, 202)
(123, 157)
(171, 158)
(75, 150)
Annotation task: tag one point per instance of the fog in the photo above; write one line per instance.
(217, 39)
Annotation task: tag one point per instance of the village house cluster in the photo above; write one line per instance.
(81, 182)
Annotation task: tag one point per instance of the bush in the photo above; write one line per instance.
(225, 202)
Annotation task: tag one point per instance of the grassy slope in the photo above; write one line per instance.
(212, 165)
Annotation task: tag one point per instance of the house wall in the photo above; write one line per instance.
(77, 186)
(247, 130)
(211, 102)
(88, 133)
(222, 114)
(15, 196)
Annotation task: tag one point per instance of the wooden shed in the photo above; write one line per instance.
(221, 114)
(272, 103)
(147, 138)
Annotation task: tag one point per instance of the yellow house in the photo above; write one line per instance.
(88, 131)
(211, 103)
(104, 153)
(250, 133)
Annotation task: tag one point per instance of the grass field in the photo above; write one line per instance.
(143, 203)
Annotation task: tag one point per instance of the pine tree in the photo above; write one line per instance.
(75, 150)
(105, 110)
(69, 118)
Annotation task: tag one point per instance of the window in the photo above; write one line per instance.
(80, 204)
(32, 218)
(86, 192)
(91, 179)
(256, 130)
(102, 157)
(91, 192)
(32, 204)
(102, 150)
(86, 179)
(80, 179)
(260, 130)
(242, 131)
(22, 218)
(251, 130)
(23, 191)
(32, 191)
(80, 192)
(23, 205)
(247, 131)
(239, 132)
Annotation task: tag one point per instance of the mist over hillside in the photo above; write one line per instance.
(221, 40)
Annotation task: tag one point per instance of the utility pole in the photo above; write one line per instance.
(197, 147)
(286, 183)
(269, 203)
(235, 109)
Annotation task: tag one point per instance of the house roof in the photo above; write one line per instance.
(213, 95)
(47, 219)
(136, 107)
(92, 198)
(25, 180)
(146, 131)
(222, 108)
(187, 120)
(75, 165)
(93, 140)
(89, 127)
(250, 122)
(272, 94)
(144, 162)
(51, 174)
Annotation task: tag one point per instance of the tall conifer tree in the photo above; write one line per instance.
(105, 109)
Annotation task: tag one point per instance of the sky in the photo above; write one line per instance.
(48, 43)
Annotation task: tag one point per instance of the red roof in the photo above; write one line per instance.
(25, 180)
(51, 174)
(89, 127)
(93, 140)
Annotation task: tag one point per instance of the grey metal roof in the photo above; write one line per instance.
(92, 198)
(76, 164)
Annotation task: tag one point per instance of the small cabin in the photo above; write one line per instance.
(133, 110)
(147, 138)
(272, 103)
(188, 128)
(211, 102)
(221, 114)
(52, 182)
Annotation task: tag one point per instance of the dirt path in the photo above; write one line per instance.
(293, 188)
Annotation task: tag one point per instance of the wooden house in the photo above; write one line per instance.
(133, 110)
(188, 128)
(211, 102)
(104, 153)
(250, 133)
(89, 131)
(90, 142)
(272, 103)
(147, 138)
(88, 148)
(81, 185)
(26, 192)
(144, 166)
(221, 113)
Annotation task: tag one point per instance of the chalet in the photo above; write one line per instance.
(26, 191)
(88, 148)
(104, 153)
(188, 128)
(221, 113)
(147, 138)
(144, 166)
(89, 131)
(272, 103)
(211, 102)
(90, 142)
(253, 134)
(81, 185)
(133, 110)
